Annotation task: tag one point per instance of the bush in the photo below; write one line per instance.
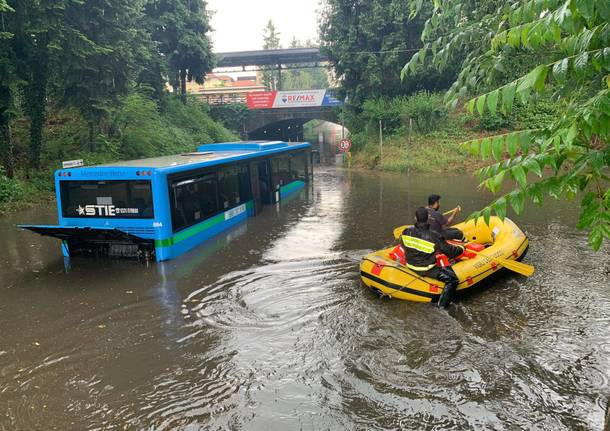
(232, 115)
(494, 122)
(144, 131)
(65, 137)
(42, 180)
(382, 109)
(192, 124)
(425, 110)
(10, 189)
(140, 128)
(136, 128)
(531, 116)
(535, 115)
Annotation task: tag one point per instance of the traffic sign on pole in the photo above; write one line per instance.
(345, 145)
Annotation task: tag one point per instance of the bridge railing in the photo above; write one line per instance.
(221, 99)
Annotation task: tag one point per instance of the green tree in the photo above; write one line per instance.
(151, 67)
(569, 156)
(37, 28)
(8, 87)
(181, 27)
(309, 77)
(271, 40)
(98, 66)
(368, 43)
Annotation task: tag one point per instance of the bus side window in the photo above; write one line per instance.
(298, 166)
(194, 200)
(285, 169)
(234, 186)
(229, 187)
(187, 207)
(178, 218)
(280, 171)
(208, 195)
(245, 191)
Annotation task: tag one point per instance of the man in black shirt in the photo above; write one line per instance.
(439, 223)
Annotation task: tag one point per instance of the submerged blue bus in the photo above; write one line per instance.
(161, 207)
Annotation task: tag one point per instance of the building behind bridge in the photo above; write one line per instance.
(220, 89)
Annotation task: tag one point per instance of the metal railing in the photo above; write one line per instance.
(221, 99)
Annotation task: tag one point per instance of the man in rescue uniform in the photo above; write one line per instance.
(421, 245)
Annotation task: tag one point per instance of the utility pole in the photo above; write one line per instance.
(279, 77)
(380, 140)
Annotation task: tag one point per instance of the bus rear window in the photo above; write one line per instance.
(113, 199)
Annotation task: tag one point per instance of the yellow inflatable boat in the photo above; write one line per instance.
(502, 239)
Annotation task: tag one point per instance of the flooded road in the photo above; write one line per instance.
(267, 327)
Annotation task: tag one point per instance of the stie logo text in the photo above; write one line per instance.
(104, 210)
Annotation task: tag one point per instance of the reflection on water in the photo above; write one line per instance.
(267, 327)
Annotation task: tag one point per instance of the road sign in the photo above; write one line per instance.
(72, 164)
(345, 145)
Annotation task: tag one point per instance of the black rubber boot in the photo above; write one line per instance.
(451, 281)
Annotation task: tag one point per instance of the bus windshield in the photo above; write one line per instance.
(112, 199)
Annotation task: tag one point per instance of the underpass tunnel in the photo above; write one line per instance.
(323, 135)
(286, 130)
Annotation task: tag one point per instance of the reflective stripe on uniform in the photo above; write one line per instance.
(418, 244)
(420, 268)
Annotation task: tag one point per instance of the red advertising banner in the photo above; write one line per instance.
(290, 99)
(260, 99)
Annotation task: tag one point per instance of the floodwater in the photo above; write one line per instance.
(267, 327)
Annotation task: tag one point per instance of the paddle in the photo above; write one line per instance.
(513, 265)
(398, 230)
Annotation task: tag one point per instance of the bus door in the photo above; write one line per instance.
(264, 181)
(256, 189)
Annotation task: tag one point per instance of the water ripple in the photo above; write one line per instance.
(275, 331)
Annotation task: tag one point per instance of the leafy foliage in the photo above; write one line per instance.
(568, 156)
(98, 67)
(368, 42)
(141, 127)
(88, 55)
(423, 110)
(144, 131)
(310, 77)
(271, 40)
(10, 189)
(179, 28)
(232, 115)
(435, 150)
(8, 90)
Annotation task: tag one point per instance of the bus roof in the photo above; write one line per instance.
(211, 154)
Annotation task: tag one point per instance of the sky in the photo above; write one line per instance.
(238, 24)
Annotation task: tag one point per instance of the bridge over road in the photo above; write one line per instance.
(282, 114)
(295, 57)
(285, 124)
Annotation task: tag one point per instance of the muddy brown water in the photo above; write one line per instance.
(267, 327)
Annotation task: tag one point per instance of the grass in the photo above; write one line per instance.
(432, 152)
(21, 192)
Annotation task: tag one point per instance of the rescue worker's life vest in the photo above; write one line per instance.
(421, 245)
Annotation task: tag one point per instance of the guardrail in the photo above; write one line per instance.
(221, 99)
